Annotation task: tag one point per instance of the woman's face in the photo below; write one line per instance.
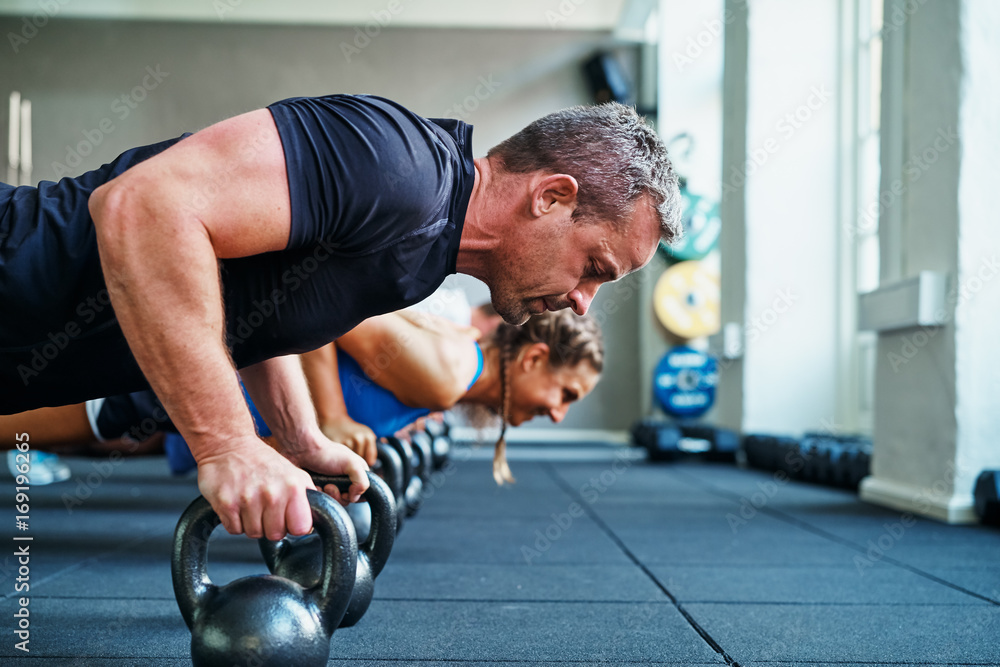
(539, 389)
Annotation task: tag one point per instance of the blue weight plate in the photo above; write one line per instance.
(684, 382)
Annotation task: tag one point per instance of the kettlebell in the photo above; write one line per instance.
(300, 559)
(440, 442)
(263, 619)
(423, 455)
(361, 517)
(413, 485)
(390, 467)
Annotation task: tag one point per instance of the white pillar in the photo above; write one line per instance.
(936, 418)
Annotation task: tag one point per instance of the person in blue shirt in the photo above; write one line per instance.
(378, 378)
(274, 232)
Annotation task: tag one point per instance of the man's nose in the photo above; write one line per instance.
(558, 414)
(581, 298)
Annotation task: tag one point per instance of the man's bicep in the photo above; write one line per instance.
(231, 177)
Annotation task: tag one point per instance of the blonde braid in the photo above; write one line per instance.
(501, 470)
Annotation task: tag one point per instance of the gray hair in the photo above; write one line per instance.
(613, 154)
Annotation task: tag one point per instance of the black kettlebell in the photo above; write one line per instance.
(423, 450)
(440, 432)
(263, 619)
(440, 442)
(413, 485)
(300, 559)
(390, 468)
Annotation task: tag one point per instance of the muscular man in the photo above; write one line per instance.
(276, 231)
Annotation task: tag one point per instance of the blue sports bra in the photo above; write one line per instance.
(367, 403)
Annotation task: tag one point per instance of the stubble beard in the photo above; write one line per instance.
(505, 296)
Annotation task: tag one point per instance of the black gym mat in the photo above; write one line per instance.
(608, 560)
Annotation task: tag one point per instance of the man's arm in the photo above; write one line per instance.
(161, 228)
(424, 364)
(279, 390)
(321, 371)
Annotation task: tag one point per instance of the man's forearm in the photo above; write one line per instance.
(278, 388)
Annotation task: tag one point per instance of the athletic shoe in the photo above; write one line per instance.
(38, 475)
(60, 471)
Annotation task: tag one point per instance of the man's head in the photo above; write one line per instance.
(592, 192)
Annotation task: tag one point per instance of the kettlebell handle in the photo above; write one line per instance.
(379, 496)
(189, 559)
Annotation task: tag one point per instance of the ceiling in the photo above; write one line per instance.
(612, 15)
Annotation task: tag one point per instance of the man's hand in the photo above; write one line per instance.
(315, 452)
(357, 437)
(257, 491)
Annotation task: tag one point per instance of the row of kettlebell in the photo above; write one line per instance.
(319, 582)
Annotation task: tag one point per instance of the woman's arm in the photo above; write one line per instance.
(320, 367)
(425, 363)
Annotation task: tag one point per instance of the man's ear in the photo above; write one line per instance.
(536, 353)
(552, 191)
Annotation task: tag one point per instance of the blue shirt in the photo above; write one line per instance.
(378, 199)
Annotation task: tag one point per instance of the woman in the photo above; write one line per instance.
(383, 375)
(421, 364)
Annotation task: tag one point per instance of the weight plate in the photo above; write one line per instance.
(684, 382)
(686, 300)
(702, 226)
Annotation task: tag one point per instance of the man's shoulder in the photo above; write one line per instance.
(374, 115)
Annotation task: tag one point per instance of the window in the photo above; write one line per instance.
(868, 92)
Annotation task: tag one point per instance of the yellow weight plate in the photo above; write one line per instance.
(686, 300)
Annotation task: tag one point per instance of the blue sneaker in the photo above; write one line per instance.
(60, 471)
(38, 474)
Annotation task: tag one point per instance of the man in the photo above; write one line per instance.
(276, 231)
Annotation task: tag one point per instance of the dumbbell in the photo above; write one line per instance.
(666, 441)
(787, 456)
(810, 447)
(659, 438)
(722, 442)
(774, 453)
(857, 462)
(987, 496)
(850, 459)
(758, 451)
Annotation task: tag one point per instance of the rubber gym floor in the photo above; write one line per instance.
(594, 557)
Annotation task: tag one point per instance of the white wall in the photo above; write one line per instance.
(791, 195)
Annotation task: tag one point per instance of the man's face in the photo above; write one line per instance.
(559, 263)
